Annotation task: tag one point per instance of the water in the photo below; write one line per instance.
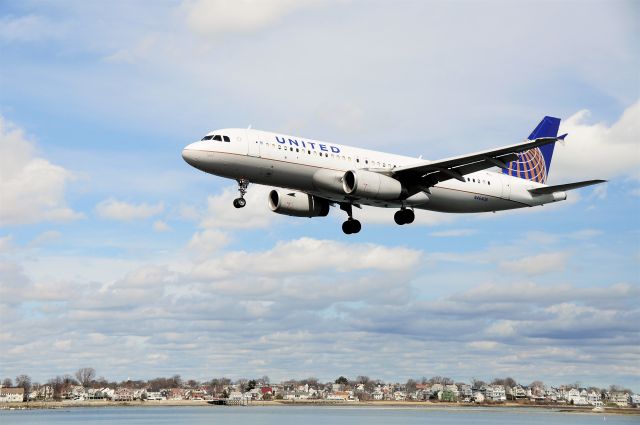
(279, 415)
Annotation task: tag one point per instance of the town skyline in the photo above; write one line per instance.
(88, 376)
(83, 387)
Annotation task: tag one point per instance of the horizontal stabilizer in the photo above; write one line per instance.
(562, 187)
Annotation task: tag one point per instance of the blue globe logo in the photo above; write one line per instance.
(530, 166)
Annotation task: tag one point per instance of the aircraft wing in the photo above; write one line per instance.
(431, 172)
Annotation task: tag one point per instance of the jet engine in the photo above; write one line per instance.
(367, 184)
(298, 204)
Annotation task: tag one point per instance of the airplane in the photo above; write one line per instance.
(314, 175)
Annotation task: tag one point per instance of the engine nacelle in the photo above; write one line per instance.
(367, 184)
(298, 204)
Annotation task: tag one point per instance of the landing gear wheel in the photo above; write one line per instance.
(404, 216)
(351, 226)
(409, 216)
(239, 202)
(242, 188)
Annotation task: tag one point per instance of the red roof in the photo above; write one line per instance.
(266, 390)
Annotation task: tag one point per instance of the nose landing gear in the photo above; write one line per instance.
(242, 188)
(404, 216)
(351, 225)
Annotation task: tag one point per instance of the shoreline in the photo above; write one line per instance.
(315, 403)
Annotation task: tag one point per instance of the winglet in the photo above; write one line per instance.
(563, 136)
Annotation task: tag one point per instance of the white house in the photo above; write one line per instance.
(478, 397)
(496, 393)
(11, 395)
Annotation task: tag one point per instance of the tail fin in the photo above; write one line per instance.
(534, 164)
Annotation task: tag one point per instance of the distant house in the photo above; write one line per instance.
(518, 392)
(123, 394)
(399, 396)
(466, 393)
(496, 393)
(155, 396)
(11, 394)
(619, 398)
(478, 397)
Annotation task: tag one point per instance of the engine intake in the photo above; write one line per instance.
(298, 204)
(367, 184)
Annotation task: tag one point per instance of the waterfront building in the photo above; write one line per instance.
(11, 394)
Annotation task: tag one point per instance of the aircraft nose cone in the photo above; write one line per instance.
(190, 156)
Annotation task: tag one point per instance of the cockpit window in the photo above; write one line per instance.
(217, 137)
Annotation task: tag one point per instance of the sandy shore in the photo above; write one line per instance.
(308, 403)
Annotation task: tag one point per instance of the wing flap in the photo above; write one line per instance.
(563, 187)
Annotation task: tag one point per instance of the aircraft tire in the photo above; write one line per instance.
(356, 226)
(399, 217)
(351, 226)
(409, 216)
(346, 227)
(239, 202)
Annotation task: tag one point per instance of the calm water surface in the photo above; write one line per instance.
(257, 415)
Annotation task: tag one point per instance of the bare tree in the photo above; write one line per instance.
(57, 385)
(477, 383)
(85, 375)
(411, 385)
(506, 382)
(7, 382)
(444, 380)
(537, 384)
(24, 381)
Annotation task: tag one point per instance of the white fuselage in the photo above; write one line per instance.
(317, 167)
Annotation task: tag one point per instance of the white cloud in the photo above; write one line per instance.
(537, 264)
(6, 243)
(598, 150)
(118, 210)
(307, 255)
(208, 241)
(27, 28)
(45, 237)
(220, 16)
(161, 226)
(31, 188)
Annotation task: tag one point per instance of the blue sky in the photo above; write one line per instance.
(111, 244)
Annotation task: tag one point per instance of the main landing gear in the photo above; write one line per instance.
(351, 225)
(404, 216)
(242, 188)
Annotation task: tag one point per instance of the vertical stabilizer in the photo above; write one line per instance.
(534, 164)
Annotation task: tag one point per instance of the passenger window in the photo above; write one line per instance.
(291, 149)
(279, 147)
